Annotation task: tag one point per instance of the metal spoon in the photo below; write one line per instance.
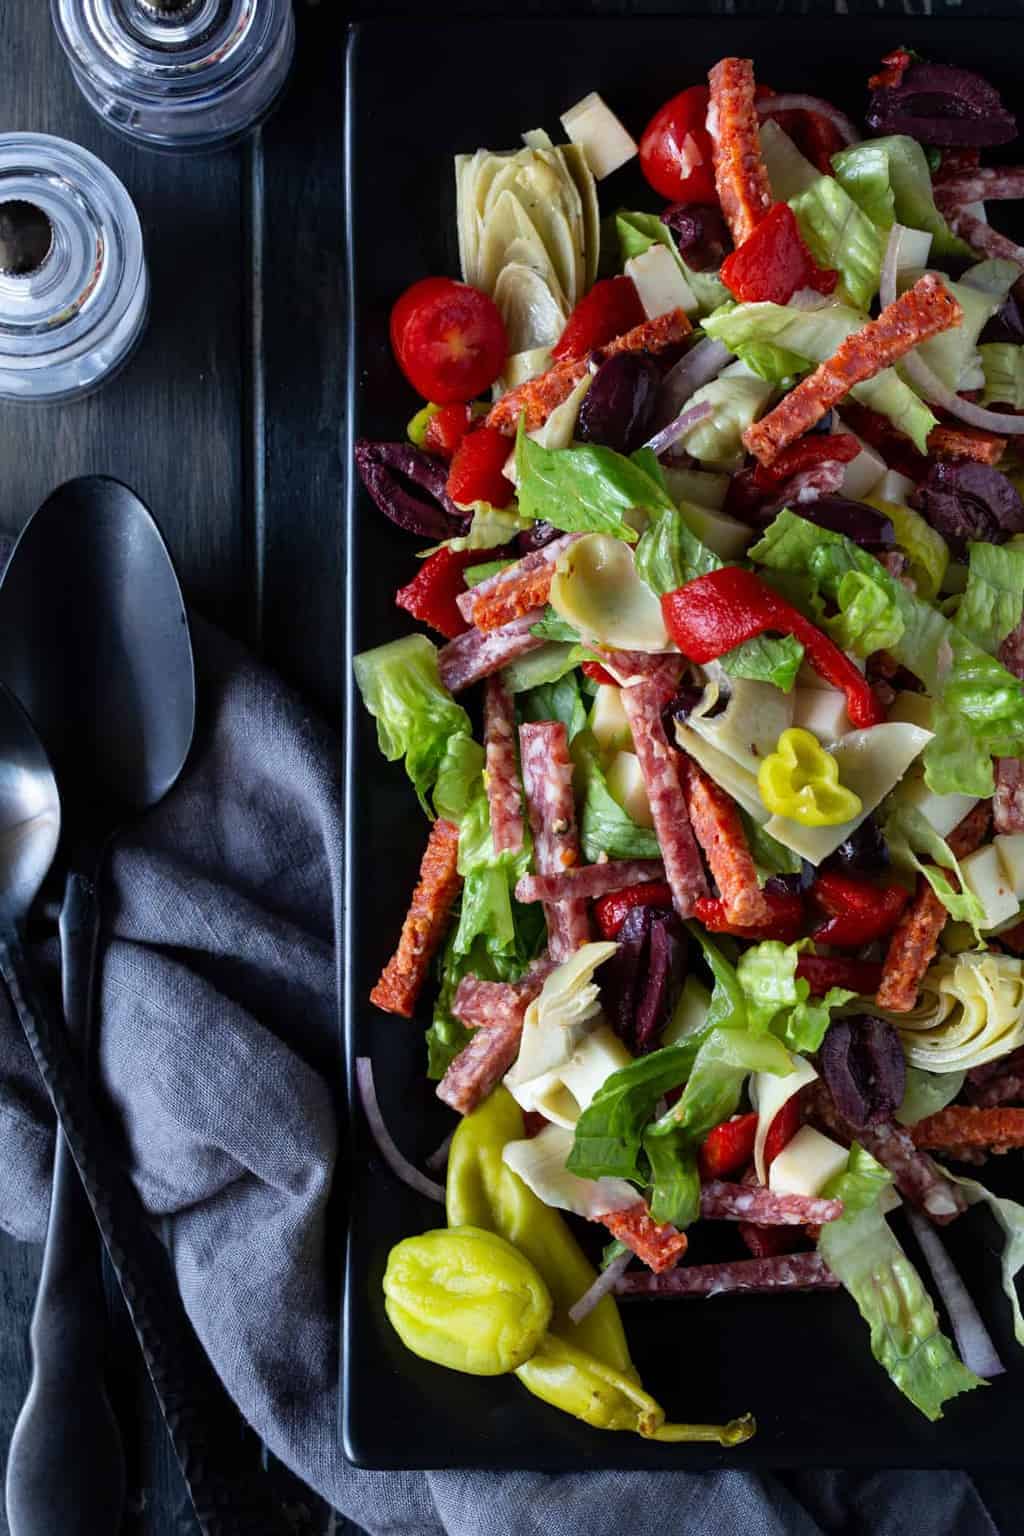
(97, 648)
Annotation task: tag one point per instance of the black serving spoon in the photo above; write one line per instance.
(97, 649)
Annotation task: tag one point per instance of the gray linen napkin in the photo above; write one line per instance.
(219, 1051)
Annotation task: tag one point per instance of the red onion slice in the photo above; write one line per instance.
(922, 376)
(438, 1159)
(605, 1282)
(399, 1165)
(678, 428)
(796, 101)
(976, 1347)
(701, 364)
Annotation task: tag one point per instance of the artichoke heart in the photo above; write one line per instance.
(596, 587)
(971, 1011)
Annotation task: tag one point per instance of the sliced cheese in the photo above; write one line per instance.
(728, 538)
(659, 283)
(749, 726)
(871, 763)
(894, 487)
(626, 785)
(604, 141)
(821, 711)
(1010, 847)
(608, 720)
(805, 1166)
(702, 486)
(942, 812)
(985, 874)
(540, 1163)
(768, 1093)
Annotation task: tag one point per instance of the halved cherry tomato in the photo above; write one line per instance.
(477, 472)
(431, 595)
(728, 1148)
(448, 339)
(675, 150)
(773, 262)
(597, 673)
(445, 430)
(611, 308)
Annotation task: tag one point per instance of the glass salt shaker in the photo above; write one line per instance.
(178, 74)
(74, 291)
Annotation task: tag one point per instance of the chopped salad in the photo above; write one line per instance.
(723, 880)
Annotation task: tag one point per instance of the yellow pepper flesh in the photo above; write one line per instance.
(800, 781)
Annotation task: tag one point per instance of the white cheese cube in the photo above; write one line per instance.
(768, 1093)
(626, 785)
(894, 487)
(985, 875)
(608, 720)
(1010, 847)
(604, 141)
(943, 812)
(728, 538)
(659, 282)
(805, 1166)
(821, 711)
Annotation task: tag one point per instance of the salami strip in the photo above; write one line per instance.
(510, 593)
(971, 832)
(537, 398)
(923, 311)
(481, 1065)
(1011, 652)
(753, 1277)
(586, 882)
(504, 796)
(629, 667)
(1007, 1088)
(480, 1004)
(980, 236)
(547, 777)
(741, 178)
(914, 1173)
(718, 828)
(425, 922)
(475, 655)
(962, 1126)
(724, 1201)
(659, 765)
(981, 185)
(659, 1246)
(966, 443)
(1008, 802)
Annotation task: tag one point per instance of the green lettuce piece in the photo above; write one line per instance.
(608, 1136)
(926, 549)
(737, 397)
(637, 232)
(558, 700)
(605, 828)
(584, 489)
(861, 1250)
(728, 1006)
(1010, 1217)
(867, 621)
(926, 1093)
(979, 709)
(475, 574)
(841, 236)
(546, 665)
(553, 627)
(770, 856)
(991, 607)
(889, 179)
(1003, 365)
(774, 364)
(647, 460)
(815, 336)
(779, 1000)
(447, 1035)
(416, 715)
(914, 844)
(766, 659)
(952, 355)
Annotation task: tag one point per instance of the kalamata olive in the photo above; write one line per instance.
(966, 501)
(863, 524)
(700, 233)
(939, 104)
(793, 885)
(409, 488)
(618, 407)
(682, 705)
(641, 982)
(865, 851)
(536, 536)
(863, 1064)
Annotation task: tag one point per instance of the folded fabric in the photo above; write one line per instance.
(219, 1051)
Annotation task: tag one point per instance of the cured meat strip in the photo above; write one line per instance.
(981, 185)
(504, 795)
(966, 443)
(977, 1077)
(921, 312)
(659, 764)
(475, 655)
(628, 667)
(589, 881)
(741, 178)
(787, 1272)
(724, 1201)
(1008, 801)
(547, 777)
(971, 832)
(1011, 652)
(510, 593)
(425, 922)
(1007, 1088)
(962, 1125)
(980, 236)
(479, 1004)
(537, 398)
(659, 1246)
(481, 1065)
(914, 1173)
(716, 822)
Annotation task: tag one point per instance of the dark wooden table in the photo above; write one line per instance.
(227, 424)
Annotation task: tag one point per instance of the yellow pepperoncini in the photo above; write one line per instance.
(800, 780)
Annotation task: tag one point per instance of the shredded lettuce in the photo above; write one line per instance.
(926, 1093)
(841, 236)
(915, 845)
(557, 700)
(447, 1035)
(584, 489)
(861, 1250)
(605, 828)
(553, 627)
(416, 715)
(475, 574)
(979, 706)
(1003, 366)
(737, 397)
(546, 665)
(1010, 1217)
(776, 365)
(766, 659)
(637, 232)
(952, 355)
(991, 607)
(778, 1000)
(770, 856)
(867, 619)
(889, 179)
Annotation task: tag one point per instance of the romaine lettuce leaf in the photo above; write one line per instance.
(867, 619)
(927, 1092)
(558, 700)
(447, 1035)
(979, 706)
(766, 659)
(770, 856)
(605, 828)
(1003, 365)
(778, 1000)
(861, 1250)
(737, 397)
(553, 627)
(1010, 1217)
(584, 489)
(841, 236)
(637, 232)
(890, 180)
(609, 1132)
(952, 355)
(416, 715)
(992, 604)
(915, 845)
(539, 668)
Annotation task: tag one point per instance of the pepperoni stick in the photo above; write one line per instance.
(716, 822)
(741, 178)
(438, 885)
(475, 655)
(660, 1246)
(514, 591)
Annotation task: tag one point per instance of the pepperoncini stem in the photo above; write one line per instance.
(733, 1433)
(800, 781)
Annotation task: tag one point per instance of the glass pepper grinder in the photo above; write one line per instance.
(74, 292)
(178, 74)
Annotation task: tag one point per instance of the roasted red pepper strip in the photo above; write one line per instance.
(896, 65)
(782, 1129)
(611, 910)
(786, 922)
(611, 308)
(477, 472)
(446, 429)
(806, 453)
(728, 1148)
(858, 911)
(430, 596)
(719, 611)
(825, 971)
(773, 262)
(597, 673)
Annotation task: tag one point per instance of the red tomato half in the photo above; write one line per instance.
(675, 151)
(448, 339)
